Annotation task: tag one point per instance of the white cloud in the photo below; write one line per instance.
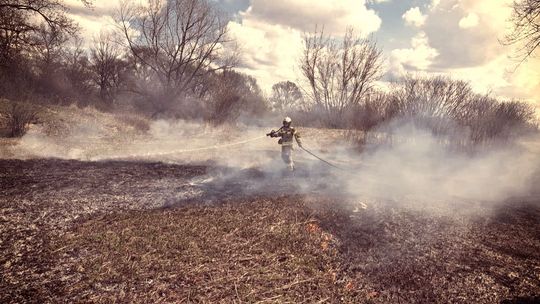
(469, 21)
(269, 52)
(474, 55)
(270, 33)
(488, 77)
(91, 27)
(486, 23)
(499, 78)
(414, 17)
(434, 4)
(419, 57)
(93, 20)
(96, 4)
(305, 15)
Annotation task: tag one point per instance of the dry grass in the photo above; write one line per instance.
(59, 121)
(256, 251)
(87, 232)
(136, 122)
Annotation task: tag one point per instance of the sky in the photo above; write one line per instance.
(458, 38)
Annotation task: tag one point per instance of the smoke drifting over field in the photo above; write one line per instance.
(416, 169)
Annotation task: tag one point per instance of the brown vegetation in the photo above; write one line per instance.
(286, 97)
(181, 67)
(150, 232)
(340, 73)
(450, 108)
(84, 234)
(180, 42)
(19, 117)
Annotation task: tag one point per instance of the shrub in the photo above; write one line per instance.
(232, 95)
(446, 107)
(19, 116)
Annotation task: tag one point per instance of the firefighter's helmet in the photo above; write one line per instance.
(287, 121)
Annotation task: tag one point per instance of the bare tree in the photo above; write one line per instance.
(450, 108)
(77, 73)
(177, 41)
(340, 72)
(526, 22)
(232, 94)
(32, 37)
(107, 66)
(48, 47)
(436, 96)
(376, 109)
(50, 11)
(286, 96)
(21, 20)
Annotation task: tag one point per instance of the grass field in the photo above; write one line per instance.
(89, 213)
(143, 232)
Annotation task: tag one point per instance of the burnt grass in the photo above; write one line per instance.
(140, 232)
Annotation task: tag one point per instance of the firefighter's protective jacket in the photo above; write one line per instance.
(287, 134)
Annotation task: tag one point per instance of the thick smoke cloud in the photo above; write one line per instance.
(421, 171)
(415, 169)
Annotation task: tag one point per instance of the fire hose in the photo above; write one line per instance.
(214, 147)
(271, 134)
(321, 159)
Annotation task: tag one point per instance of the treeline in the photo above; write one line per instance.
(341, 92)
(175, 59)
(167, 59)
(448, 108)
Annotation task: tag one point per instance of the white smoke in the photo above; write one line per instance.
(417, 169)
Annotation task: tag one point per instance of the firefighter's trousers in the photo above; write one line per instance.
(286, 155)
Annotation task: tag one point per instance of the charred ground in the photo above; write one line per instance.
(151, 232)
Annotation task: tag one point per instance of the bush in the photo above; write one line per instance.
(448, 108)
(19, 117)
(232, 95)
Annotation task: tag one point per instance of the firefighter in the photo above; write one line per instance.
(286, 134)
